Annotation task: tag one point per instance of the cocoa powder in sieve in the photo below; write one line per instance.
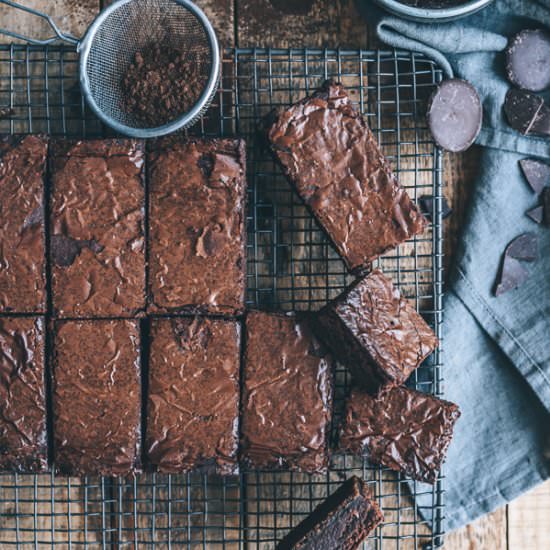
(161, 84)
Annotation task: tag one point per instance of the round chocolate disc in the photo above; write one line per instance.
(528, 60)
(454, 115)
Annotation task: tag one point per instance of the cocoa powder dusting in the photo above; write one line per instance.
(161, 84)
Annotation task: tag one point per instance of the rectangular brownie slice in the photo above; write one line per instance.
(334, 163)
(97, 228)
(287, 395)
(376, 332)
(23, 439)
(342, 521)
(193, 396)
(22, 249)
(197, 245)
(401, 429)
(97, 397)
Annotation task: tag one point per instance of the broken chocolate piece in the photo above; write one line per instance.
(545, 197)
(527, 113)
(427, 207)
(536, 214)
(527, 60)
(524, 247)
(454, 115)
(536, 172)
(512, 275)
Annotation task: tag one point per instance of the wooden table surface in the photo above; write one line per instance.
(522, 525)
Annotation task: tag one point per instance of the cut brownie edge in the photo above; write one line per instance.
(343, 520)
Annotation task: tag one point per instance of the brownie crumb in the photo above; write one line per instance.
(162, 84)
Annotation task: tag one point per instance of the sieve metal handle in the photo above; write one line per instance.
(58, 34)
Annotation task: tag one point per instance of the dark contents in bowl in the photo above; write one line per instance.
(433, 4)
(161, 84)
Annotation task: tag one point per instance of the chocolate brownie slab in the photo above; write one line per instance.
(287, 395)
(23, 441)
(331, 158)
(193, 401)
(97, 397)
(22, 252)
(197, 240)
(97, 228)
(401, 429)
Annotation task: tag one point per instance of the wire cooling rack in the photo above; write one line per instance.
(290, 266)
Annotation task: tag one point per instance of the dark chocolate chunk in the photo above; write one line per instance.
(527, 113)
(528, 60)
(454, 115)
(545, 196)
(427, 207)
(65, 249)
(512, 275)
(536, 214)
(536, 172)
(342, 521)
(524, 247)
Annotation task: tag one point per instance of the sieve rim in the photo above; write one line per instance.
(178, 123)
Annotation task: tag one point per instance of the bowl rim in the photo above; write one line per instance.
(462, 9)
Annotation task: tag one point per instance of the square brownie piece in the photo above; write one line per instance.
(334, 163)
(401, 429)
(22, 249)
(376, 332)
(342, 521)
(287, 395)
(97, 228)
(23, 439)
(97, 397)
(197, 245)
(193, 397)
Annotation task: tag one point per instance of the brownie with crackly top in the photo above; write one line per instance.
(97, 397)
(402, 429)
(193, 397)
(334, 163)
(23, 441)
(22, 248)
(287, 395)
(197, 240)
(97, 243)
(375, 332)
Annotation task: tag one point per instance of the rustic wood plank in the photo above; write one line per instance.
(221, 15)
(71, 16)
(529, 520)
(297, 23)
(487, 533)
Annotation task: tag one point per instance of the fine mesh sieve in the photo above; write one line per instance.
(111, 42)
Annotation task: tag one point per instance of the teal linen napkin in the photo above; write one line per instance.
(496, 350)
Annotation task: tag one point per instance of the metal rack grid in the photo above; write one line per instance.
(290, 266)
